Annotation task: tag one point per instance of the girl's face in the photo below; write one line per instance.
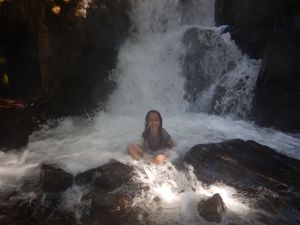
(153, 121)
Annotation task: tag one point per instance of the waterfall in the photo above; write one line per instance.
(177, 62)
(148, 76)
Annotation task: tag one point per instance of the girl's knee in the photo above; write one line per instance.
(159, 159)
(161, 156)
(130, 148)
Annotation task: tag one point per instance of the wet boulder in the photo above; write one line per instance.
(102, 206)
(109, 196)
(86, 177)
(107, 177)
(22, 208)
(114, 208)
(212, 208)
(229, 161)
(267, 177)
(113, 175)
(54, 179)
(40, 199)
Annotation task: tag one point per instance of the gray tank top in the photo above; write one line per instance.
(155, 144)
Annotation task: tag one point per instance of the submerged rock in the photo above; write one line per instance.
(54, 179)
(105, 198)
(212, 208)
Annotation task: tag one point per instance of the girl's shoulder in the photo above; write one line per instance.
(165, 134)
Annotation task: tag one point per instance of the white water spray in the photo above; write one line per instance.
(148, 76)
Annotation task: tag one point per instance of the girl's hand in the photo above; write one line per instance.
(170, 143)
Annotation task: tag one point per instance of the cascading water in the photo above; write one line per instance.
(148, 76)
(175, 63)
(220, 79)
(154, 71)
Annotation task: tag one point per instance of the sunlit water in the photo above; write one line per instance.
(149, 75)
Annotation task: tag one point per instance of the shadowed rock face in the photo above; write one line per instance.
(64, 56)
(87, 50)
(252, 22)
(269, 30)
(59, 64)
(19, 50)
(277, 90)
(256, 171)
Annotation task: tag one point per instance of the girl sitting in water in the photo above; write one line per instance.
(155, 138)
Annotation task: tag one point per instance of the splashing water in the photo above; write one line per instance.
(172, 196)
(149, 75)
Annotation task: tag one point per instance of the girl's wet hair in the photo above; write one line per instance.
(147, 116)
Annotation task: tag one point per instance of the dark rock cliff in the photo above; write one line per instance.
(269, 30)
(61, 51)
(56, 57)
